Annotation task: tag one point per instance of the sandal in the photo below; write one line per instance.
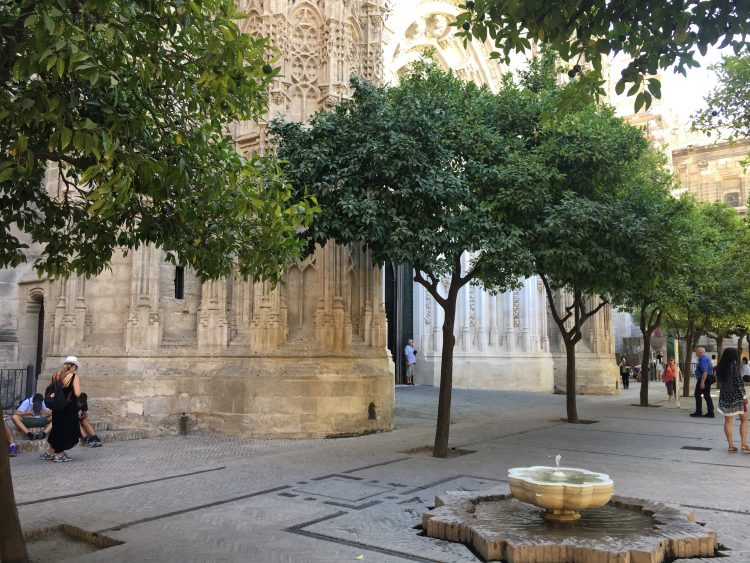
(732, 449)
(745, 448)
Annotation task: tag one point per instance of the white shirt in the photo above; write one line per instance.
(28, 406)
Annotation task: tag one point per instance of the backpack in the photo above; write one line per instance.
(54, 396)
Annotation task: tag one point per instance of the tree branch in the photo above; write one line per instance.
(431, 287)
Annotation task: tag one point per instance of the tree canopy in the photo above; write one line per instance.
(653, 34)
(436, 173)
(711, 295)
(727, 107)
(132, 101)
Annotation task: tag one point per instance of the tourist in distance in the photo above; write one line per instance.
(745, 370)
(704, 378)
(12, 446)
(33, 413)
(411, 360)
(624, 372)
(671, 376)
(637, 372)
(732, 397)
(66, 429)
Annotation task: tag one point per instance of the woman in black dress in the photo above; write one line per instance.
(732, 396)
(66, 430)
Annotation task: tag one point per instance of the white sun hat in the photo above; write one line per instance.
(72, 360)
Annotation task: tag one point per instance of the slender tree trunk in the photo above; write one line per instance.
(740, 337)
(570, 380)
(12, 545)
(689, 339)
(648, 326)
(645, 364)
(719, 339)
(440, 448)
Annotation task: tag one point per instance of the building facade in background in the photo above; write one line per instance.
(311, 357)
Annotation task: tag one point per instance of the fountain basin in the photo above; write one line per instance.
(562, 491)
(499, 527)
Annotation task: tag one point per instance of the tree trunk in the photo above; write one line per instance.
(570, 380)
(740, 337)
(686, 372)
(12, 545)
(645, 364)
(719, 345)
(442, 430)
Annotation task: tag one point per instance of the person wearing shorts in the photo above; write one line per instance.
(33, 413)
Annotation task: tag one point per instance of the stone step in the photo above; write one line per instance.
(99, 426)
(107, 436)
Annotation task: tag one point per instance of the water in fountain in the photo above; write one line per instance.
(515, 516)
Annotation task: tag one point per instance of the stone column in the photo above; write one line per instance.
(143, 330)
(493, 332)
(65, 335)
(377, 327)
(213, 322)
(269, 328)
(541, 307)
(511, 320)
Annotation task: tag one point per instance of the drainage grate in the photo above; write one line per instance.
(696, 448)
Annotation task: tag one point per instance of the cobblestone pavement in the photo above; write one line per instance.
(209, 498)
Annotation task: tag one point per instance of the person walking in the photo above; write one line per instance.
(410, 354)
(704, 378)
(624, 372)
(66, 430)
(670, 380)
(732, 397)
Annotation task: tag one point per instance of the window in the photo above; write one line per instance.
(732, 198)
(179, 282)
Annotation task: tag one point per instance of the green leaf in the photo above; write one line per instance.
(65, 137)
(640, 100)
(6, 173)
(49, 23)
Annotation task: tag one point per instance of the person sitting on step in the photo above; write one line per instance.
(88, 434)
(33, 413)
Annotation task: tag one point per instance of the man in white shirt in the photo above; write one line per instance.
(411, 361)
(33, 413)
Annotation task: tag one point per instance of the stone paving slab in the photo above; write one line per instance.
(210, 498)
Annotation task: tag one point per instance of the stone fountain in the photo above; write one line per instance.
(581, 521)
(562, 491)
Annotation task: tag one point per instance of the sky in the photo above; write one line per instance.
(685, 94)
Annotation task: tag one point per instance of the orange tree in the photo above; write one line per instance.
(131, 101)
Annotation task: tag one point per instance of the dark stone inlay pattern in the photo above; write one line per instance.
(192, 509)
(454, 478)
(375, 465)
(299, 529)
(117, 487)
(696, 448)
(353, 506)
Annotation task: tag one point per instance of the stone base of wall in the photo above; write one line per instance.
(595, 375)
(267, 397)
(502, 372)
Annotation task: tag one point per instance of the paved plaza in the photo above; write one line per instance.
(212, 498)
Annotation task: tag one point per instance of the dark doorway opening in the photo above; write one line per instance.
(398, 312)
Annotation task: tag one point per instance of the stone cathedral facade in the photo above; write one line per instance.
(307, 358)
